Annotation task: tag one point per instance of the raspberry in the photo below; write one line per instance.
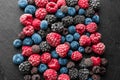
(84, 40)
(76, 56)
(26, 51)
(45, 57)
(26, 19)
(80, 28)
(28, 30)
(63, 77)
(53, 1)
(51, 7)
(50, 74)
(62, 49)
(41, 13)
(99, 48)
(71, 2)
(61, 3)
(54, 64)
(83, 3)
(34, 59)
(95, 37)
(44, 46)
(50, 18)
(79, 19)
(90, 12)
(96, 61)
(53, 39)
(67, 21)
(92, 27)
(36, 24)
(41, 3)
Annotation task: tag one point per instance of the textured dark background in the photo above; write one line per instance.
(10, 27)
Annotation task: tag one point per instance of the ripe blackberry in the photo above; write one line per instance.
(42, 33)
(57, 27)
(82, 64)
(50, 18)
(44, 46)
(25, 67)
(90, 12)
(95, 4)
(71, 2)
(83, 74)
(70, 64)
(79, 19)
(67, 21)
(73, 73)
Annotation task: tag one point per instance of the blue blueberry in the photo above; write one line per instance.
(17, 43)
(69, 38)
(63, 70)
(71, 11)
(62, 61)
(59, 14)
(42, 68)
(76, 36)
(30, 9)
(22, 3)
(88, 21)
(81, 11)
(81, 49)
(71, 29)
(44, 25)
(54, 54)
(74, 45)
(89, 79)
(70, 52)
(96, 18)
(27, 41)
(18, 58)
(36, 38)
(62, 39)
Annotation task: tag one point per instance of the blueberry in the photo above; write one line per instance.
(96, 18)
(71, 11)
(63, 39)
(18, 58)
(74, 45)
(54, 54)
(63, 70)
(88, 21)
(30, 9)
(89, 79)
(81, 11)
(27, 41)
(69, 38)
(70, 52)
(36, 38)
(81, 49)
(71, 29)
(44, 25)
(17, 43)
(62, 61)
(42, 68)
(22, 3)
(59, 14)
(76, 36)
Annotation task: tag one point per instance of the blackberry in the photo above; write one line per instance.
(104, 62)
(25, 67)
(70, 64)
(50, 18)
(34, 70)
(57, 27)
(102, 70)
(88, 62)
(67, 21)
(73, 73)
(77, 7)
(83, 74)
(90, 12)
(79, 19)
(64, 9)
(71, 2)
(96, 69)
(65, 31)
(36, 77)
(44, 46)
(42, 33)
(82, 64)
(95, 4)
(96, 77)
(27, 77)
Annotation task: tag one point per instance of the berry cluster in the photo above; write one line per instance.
(59, 40)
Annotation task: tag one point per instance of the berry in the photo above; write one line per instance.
(54, 54)
(50, 18)
(18, 58)
(63, 77)
(35, 49)
(42, 33)
(73, 73)
(104, 62)
(88, 21)
(74, 45)
(81, 11)
(64, 9)
(82, 64)
(95, 4)
(31, 1)
(90, 12)
(69, 38)
(63, 70)
(96, 18)
(36, 24)
(36, 38)
(71, 2)
(21, 35)
(67, 21)
(44, 25)
(50, 74)
(83, 74)
(77, 7)
(30, 9)
(96, 69)
(42, 68)
(44, 46)
(40, 13)
(34, 70)
(51, 7)
(53, 39)
(96, 61)
(61, 3)
(71, 29)
(45, 58)
(65, 31)
(28, 30)
(62, 61)
(83, 3)
(81, 49)
(53, 1)
(76, 36)
(70, 53)
(80, 28)
(98, 48)
(41, 3)
(88, 62)
(96, 77)
(22, 3)
(36, 77)
(84, 40)
(62, 49)
(76, 56)
(26, 51)
(34, 59)
(70, 64)
(88, 50)
(27, 41)
(95, 37)
(27, 77)
(17, 43)
(59, 14)
(62, 39)
(92, 27)
(79, 19)
(71, 11)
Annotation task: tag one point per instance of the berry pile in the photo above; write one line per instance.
(59, 40)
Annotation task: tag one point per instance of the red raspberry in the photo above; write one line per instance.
(45, 58)
(84, 40)
(50, 74)
(62, 49)
(28, 30)
(41, 13)
(53, 1)
(63, 77)
(83, 3)
(96, 61)
(53, 39)
(51, 7)
(95, 37)
(41, 3)
(36, 24)
(26, 19)
(27, 51)
(92, 27)
(80, 28)
(99, 48)
(54, 64)
(34, 59)
(76, 56)
(61, 3)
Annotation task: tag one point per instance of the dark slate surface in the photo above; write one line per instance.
(10, 27)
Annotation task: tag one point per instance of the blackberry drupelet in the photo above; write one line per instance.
(71, 2)
(44, 46)
(90, 12)
(67, 21)
(95, 4)
(79, 19)
(50, 18)
(73, 73)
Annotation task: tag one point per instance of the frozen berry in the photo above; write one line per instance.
(22, 3)
(41, 3)
(79, 19)
(27, 77)
(35, 49)
(76, 56)
(36, 77)
(21, 35)
(104, 61)
(59, 14)
(84, 40)
(61, 3)
(63, 77)
(42, 68)
(95, 4)
(96, 61)
(28, 30)
(63, 70)
(27, 51)
(67, 21)
(45, 57)
(71, 2)
(80, 28)
(88, 62)
(95, 37)
(62, 61)
(70, 64)
(83, 74)
(36, 24)
(83, 3)
(34, 70)
(50, 18)
(96, 77)
(44, 46)
(88, 50)
(27, 41)
(17, 43)
(30, 9)
(64, 9)
(71, 11)
(73, 73)
(92, 27)
(51, 7)
(90, 12)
